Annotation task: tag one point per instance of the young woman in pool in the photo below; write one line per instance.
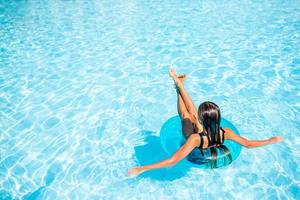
(201, 129)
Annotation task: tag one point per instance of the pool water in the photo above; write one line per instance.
(84, 91)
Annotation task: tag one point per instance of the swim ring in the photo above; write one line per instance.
(172, 139)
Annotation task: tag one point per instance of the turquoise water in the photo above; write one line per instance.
(84, 91)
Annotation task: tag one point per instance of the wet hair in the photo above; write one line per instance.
(209, 116)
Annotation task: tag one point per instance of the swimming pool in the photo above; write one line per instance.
(84, 91)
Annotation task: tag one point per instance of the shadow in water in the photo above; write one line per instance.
(48, 179)
(34, 195)
(5, 195)
(153, 152)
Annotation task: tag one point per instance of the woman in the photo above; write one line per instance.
(201, 129)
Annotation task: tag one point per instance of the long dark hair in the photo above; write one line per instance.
(209, 116)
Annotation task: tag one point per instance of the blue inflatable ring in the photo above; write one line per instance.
(172, 139)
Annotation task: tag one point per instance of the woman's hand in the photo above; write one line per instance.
(276, 139)
(135, 171)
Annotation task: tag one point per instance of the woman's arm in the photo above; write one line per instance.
(230, 135)
(192, 142)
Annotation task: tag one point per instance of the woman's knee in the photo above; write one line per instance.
(185, 115)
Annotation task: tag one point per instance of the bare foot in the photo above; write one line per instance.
(172, 73)
(182, 77)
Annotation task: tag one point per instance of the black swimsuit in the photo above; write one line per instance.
(188, 128)
(220, 141)
(213, 147)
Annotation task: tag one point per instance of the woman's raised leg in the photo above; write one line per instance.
(182, 111)
(186, 120)
(184, 95)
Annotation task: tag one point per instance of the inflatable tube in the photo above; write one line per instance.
(172, 139)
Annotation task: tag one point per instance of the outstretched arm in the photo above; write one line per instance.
(230, 135)
(184, 150)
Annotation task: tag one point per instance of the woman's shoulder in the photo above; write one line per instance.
(195, 137)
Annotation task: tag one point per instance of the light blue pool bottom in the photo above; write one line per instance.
(172, 139)
(85, 91)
